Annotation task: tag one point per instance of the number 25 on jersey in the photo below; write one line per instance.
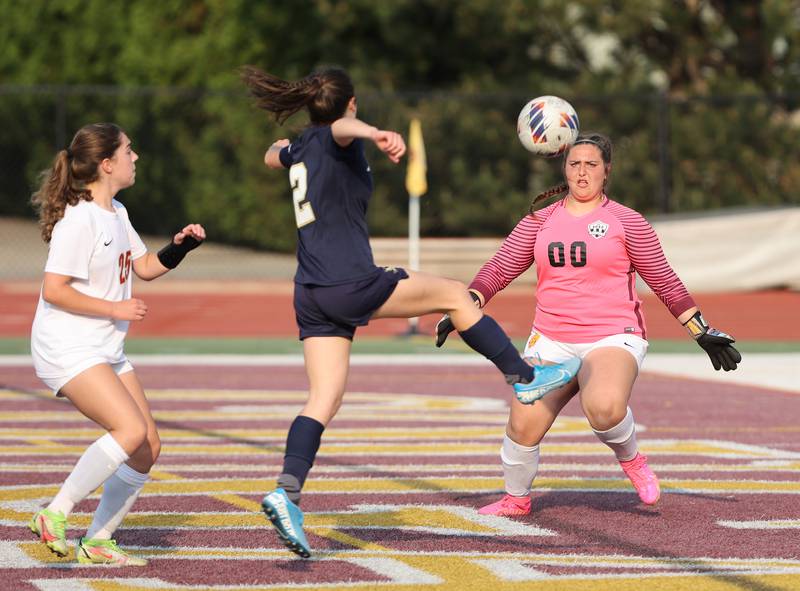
(124, 266)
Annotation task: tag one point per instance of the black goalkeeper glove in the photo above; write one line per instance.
(718, 345)
(445, 326)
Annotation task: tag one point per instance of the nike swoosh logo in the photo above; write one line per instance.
(629, 345)
(563, 375)
(109, 242)
(99, 552)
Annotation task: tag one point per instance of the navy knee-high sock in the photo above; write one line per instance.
(302, 444)
(487, 338)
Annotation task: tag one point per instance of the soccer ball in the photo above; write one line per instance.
(547, 126)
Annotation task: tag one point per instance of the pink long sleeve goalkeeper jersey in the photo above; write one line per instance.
(586, 268)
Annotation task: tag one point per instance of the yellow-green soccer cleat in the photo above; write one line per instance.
(50, 527)
(90, 551)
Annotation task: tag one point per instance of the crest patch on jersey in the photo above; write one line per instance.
(598, 229)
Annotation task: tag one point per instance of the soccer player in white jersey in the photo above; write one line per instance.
(84, 309)
(588, 250)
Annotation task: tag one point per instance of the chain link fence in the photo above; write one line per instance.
(201, 159)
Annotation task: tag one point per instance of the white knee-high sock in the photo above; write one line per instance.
(520, 464)
(100, 460)
(621, 438)
(119, 493)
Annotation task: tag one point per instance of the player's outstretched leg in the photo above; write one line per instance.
(530, 383)
(50, 527)
(288, 521)
(545, 379)
(643, 479)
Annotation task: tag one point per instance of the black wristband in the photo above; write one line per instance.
(172, 254)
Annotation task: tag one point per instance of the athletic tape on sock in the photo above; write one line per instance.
(520, 466)
(621, 438)
(114, 450)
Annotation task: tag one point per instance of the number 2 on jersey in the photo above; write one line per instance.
(298, 178)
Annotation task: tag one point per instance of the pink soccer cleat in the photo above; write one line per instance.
(643, 479)
(508, 506)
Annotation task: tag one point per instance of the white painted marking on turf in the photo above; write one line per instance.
(762, 370)
(510, 570)
(700, 573)
(519, 569)
(502, 525)
(62, 584)
(25, 505)
(87, 584)
(783, 466)
(397, 571)
(732, 449)
(658, 566)
(393, 402)
(12, 556)
(297, 360)
(762, 524)
(769, 464)
(761, 450)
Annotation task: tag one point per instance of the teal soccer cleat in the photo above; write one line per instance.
(288, 521)
(547, 378)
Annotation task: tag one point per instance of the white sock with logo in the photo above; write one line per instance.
(100, 460)
(119, 494)
(621, 438)
(520, 465)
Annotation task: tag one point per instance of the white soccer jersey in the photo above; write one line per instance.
(96, 248)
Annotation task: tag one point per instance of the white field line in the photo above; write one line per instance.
(780, 371)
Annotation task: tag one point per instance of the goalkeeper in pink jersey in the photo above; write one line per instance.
(588, 250)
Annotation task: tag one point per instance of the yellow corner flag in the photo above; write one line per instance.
(416, 181)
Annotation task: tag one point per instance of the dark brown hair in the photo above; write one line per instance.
(64, 183)
(324, 93)
(600, 141)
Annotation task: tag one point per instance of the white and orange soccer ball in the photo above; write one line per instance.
(547, 126)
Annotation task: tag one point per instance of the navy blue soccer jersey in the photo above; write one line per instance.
(331, 187)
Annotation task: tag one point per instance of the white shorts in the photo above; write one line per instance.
(539, 346)
(57, 381)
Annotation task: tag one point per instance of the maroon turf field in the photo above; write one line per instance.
(414, 451)
(392, 500)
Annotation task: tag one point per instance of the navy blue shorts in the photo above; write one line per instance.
(336, 310)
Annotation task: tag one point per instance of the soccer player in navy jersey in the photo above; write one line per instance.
(338, 287)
